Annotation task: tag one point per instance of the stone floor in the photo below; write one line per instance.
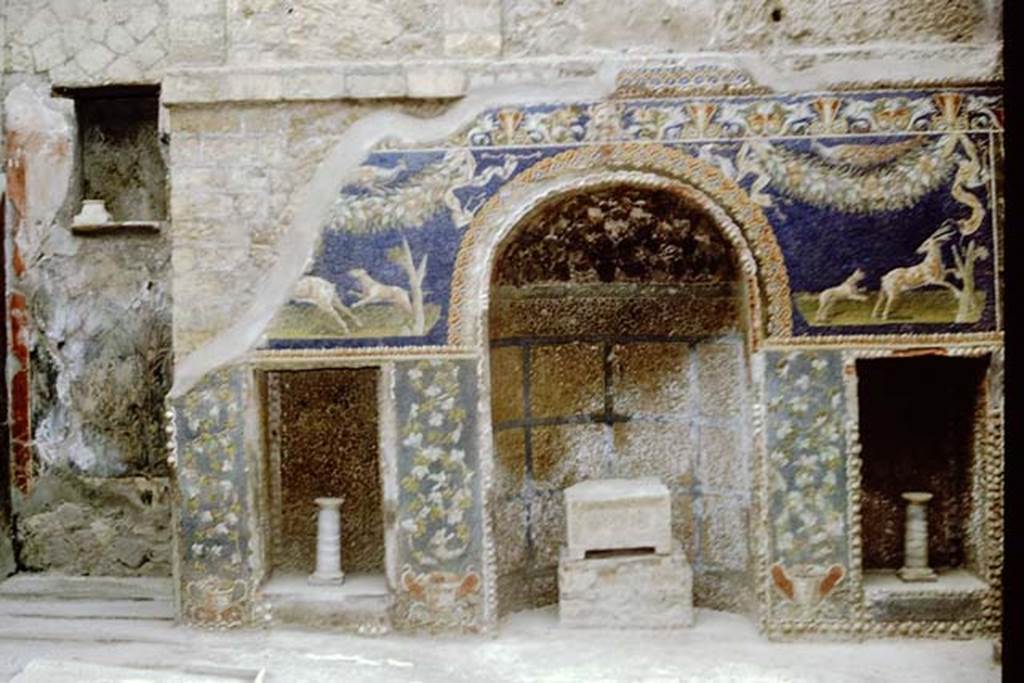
(531, 647)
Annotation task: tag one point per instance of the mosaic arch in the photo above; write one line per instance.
(637, 165)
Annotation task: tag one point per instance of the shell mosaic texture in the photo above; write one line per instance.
(881, 202)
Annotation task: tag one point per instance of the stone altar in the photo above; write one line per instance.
(621, 568)
(617, 514)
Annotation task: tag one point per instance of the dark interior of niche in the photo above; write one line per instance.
(617, 234)
(917, 432)
(328, 434)
(121, 159)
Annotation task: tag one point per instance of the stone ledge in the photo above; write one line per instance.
(957, 595)
(782, 70)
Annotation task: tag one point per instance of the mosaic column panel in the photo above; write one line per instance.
(807, 485)
(217, 547)
(440, 548)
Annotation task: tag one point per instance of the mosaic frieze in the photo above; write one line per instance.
(439, 523)
(806, 480)
(880, 204)
(213, 484)
(736, 117)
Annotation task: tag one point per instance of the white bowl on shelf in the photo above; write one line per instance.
(94, 212)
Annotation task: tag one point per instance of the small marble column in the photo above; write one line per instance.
(328, 542)
(915, 543)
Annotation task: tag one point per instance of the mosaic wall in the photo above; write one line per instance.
(440, 539)
(881, 204)
(215, 512)
(806, 485)
(868, 214)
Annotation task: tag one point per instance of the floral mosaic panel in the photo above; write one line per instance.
(806, 479)
(214, 486)
(439, 522)
(881, 203)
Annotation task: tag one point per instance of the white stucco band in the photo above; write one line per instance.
(781, 70)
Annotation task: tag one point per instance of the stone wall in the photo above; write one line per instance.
(581, 398)
(562, 26)
(92, 340)
(93, 526)
(78, 42)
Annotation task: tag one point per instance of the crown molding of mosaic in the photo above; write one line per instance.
(285, 359)
(949, 341)
(701, 118)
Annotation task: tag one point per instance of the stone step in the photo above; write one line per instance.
(88, 609)
(62, 671)
(362, 604)
(59, 587)
(83, 630)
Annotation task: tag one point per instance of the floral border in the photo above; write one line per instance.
(213, 481)
(440, 504)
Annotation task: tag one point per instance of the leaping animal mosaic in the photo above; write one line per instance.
(324, 297)
(848, 290)
(929, 271)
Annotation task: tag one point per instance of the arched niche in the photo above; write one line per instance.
(642, 165)
(604, 364)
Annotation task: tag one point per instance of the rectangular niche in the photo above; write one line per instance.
(324, 444)
(919, 418)
(121, 161)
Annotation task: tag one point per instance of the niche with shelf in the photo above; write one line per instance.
(918, 423)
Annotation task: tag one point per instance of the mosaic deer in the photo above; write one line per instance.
(930, 271)
(322, 294)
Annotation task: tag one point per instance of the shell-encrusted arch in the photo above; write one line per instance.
(640, 165)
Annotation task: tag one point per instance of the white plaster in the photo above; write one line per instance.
(340, 166)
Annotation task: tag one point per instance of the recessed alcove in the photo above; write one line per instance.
(618, 349)
(322, 433)
(120, 156)
(919, 423)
